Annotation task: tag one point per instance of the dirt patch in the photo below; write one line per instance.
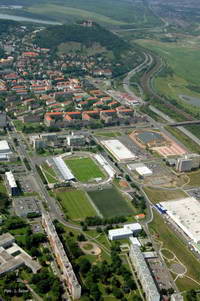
(90, 248)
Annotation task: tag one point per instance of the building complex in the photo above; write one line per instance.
(13, 257)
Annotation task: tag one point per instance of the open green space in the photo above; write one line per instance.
(172, 242)
(18, 125)
(189, 144)
(84, 169)
(181, 77)
(125, 12)
(194, 177)
(49, 173)
(110, 202)
(108, 134)
(75, 203)
(161, 195)
(194, 129)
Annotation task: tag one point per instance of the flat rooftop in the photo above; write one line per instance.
(118, 150)
(149, 136)
(186, 214)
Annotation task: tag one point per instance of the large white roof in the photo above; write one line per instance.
(4, 146)
(11, 179)
(63, 169)
(143, 171)
(186, 214)
(118, 150)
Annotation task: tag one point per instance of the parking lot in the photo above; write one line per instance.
(140, 153)
(25, 184)
(195, 193)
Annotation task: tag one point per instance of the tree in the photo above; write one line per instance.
(84, 265)
(131, 284)
(81, 237)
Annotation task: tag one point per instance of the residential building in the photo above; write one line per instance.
(67, 271)
(144, 274)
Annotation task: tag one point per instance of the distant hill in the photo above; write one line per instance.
(53, 36)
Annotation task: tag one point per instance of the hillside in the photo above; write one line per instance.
(53, 36)
(115, 13)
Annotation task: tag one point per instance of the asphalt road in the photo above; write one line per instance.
(126, 81)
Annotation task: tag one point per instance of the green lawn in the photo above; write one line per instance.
(49, 173)
(108, 134)
(183, 62)
(194, 178)
(75, 203)
(189, 144)
(18, 124)
(161, 195)
(173, 243)
(84, 169)
(110, 202)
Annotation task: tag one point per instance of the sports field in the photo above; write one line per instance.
(110, 202)
(75, 203)
(84, 169)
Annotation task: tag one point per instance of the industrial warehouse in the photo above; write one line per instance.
(186, 214)
(118, 150)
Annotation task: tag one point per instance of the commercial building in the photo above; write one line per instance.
(141, 169)
(4, 147)
(187, 163)
(61, 169)
(37, 142)
(76, 140)
(146, 279)
(11, 183)
(184, 164)
(134, 241)
(186, 214)
(12, 256)
(67, 271)
(150, 138)
(118, 150)
(127, 231)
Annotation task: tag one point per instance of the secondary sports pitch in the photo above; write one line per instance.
(84, 169)
(110, 202)
(74, 203)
